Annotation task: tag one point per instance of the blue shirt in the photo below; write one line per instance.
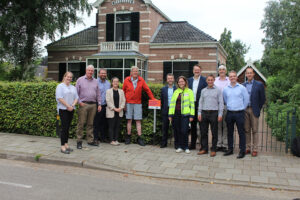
(249, 88)
(66, 92)
(103, 86)
(170, 94)
(236, 98)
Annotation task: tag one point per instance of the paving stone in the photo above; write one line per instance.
(278, 181)
(223, 176)
(156, 170)
(139, 161)
(259, 179)
(178, 160)
(189, 173)
(184, 166)
(233, 171)
(226, 165)
(267, 163)
(287, 175)
(140, 167)
(168, 164)
(294, 182)
(200, 168)
(251, 172)
(268, 174)
(172, 171)
(153, 163)
(293, 170)
(241, 177)
(220, 160)
(276, 169)
(203, 174)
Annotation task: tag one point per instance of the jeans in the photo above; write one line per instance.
(237, 118)
(181, 129)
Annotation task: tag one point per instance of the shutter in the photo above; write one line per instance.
(110, 24)
(62, 70)
(135, 26)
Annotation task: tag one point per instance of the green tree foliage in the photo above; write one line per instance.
(281, 58)
(236, 51)
(24, 23)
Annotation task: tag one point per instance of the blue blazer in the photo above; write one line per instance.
(202, 84)
(164, 99)
(257, 97)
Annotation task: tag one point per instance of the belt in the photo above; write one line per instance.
(89, 102)
(209, 111)
(235, 111)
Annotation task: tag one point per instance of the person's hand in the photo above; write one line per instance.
(117, 109)
(199, 118)
(70, 108)
(170, 119)
(125, 108)
(191, 119)
(99, 108)
(82, 104)
(220, 118)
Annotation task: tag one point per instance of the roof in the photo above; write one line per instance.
(179, 32)
(250, 64)
(87, 36)
(118, 54)
(147, 2)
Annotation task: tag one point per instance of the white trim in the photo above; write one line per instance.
(103, 8)
(143, 5)
(101, 30)
(146, 28)
(208, 61)
(151, 79)
(104, 14)
(209, 72)
(155, 72)
(156, 61)
(53, 72)
(146, 36)
(250, 64)
(212, 54)
(55, 62)
(145, 20)
(101, 22)
(145, 12)
(149, 55)
(100, 38)
(145, 43)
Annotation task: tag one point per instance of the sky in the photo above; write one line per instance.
(241, 17)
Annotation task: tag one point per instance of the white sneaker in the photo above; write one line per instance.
(117, 143)
(179, 150)
(187, 151)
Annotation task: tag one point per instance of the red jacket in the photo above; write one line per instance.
(132, 95)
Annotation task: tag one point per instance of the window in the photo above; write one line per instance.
(179, 68)
(123, 27)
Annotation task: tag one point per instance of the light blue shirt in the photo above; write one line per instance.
(195, 86)
(236, 98)
(134, 82)
(103, 86)
(170, 94)
(68, 93)
(249, 88)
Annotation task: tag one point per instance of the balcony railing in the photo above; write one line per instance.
(119, 46)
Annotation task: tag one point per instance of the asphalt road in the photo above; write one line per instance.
(33, 181)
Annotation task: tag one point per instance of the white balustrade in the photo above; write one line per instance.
(119, 46)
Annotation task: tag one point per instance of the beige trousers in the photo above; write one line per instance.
(251, 128)
(86, 116)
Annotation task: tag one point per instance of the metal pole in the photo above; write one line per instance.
(287, 132)
(154, 124)
(293, 124)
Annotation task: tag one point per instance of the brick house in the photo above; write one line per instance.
(258, 75)
(135, 32)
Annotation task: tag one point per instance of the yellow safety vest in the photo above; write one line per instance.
(187, 102)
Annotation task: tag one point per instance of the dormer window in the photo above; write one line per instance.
(123, 27)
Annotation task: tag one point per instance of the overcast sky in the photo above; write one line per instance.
(242, 17)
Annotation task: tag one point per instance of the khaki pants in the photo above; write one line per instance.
(251, 128)
(86, 116)
(222, 131)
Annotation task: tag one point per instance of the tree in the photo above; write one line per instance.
(24, 23)
(236, 51)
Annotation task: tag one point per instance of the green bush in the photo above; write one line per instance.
(30, 108)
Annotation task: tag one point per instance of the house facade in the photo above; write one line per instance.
(135, 33)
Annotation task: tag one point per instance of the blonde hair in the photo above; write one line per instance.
(68, 72)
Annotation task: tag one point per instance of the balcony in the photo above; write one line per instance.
(119, 46)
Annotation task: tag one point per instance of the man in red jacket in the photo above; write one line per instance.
(132, 87)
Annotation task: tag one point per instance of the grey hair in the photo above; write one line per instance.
(134, 67)
(90, 67)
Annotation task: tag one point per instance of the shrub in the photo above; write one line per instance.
(30, 108)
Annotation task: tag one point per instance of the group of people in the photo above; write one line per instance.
(101, 103)
(208, 101)
(219, 103)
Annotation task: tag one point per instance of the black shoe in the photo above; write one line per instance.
(140, 141)
(65, 151)
(228, 152)
(94, 143)
(128, 139)
(163, 146)
(79, 145)
(241, 155)
(220, 149)
(192, 147)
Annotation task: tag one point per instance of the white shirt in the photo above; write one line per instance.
(68, 93)
(195, 86)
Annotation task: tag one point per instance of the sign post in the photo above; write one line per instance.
(155, 105)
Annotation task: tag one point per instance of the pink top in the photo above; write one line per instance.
(221, 84)
(88, 90)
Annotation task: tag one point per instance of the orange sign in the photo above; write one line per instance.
(154, 104)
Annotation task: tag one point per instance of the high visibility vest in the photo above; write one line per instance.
(187, 102)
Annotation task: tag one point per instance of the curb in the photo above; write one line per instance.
(99, 166)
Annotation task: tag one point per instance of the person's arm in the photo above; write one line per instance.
(245, 97)
(192, 105)
(122, 100)
(60, 97)
(224, 96)
(147, 90)
(76, 98)
(109, 102)
(221, 105)
(262, 96)
(78, 90)
(162, 97)
(200, 107)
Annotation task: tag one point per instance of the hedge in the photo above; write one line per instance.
(30, 108)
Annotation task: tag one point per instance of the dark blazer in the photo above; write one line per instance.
(202, 84)
(164, 99)
(257, 97)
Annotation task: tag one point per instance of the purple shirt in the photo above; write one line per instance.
(221, 84)
(88, 90)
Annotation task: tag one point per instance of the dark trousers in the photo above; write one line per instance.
(66, 119)
(100, 125)
(237, 118)
(165, 129)
(209, 118)
(181, 129)
(194, 127)
(114, 127)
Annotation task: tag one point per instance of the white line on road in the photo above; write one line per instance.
(16, 185)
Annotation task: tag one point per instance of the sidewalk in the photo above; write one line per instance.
(269, 171)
